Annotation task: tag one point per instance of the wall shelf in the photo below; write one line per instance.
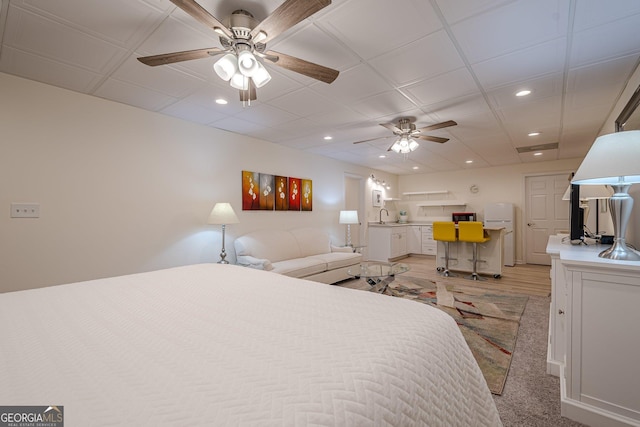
(421, 193)
(390, 199)
(442, 203)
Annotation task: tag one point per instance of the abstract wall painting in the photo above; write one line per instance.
(267, 192)
(295, 190)
(282, 193)
(261, 191)
(307, 195)
(250, 190)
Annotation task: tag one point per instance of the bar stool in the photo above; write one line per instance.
(472, 232)
(445, 232)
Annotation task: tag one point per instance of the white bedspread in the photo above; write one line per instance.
(221, 345)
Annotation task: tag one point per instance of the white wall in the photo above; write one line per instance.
(495, 184)
(633, 230)
(124, 190)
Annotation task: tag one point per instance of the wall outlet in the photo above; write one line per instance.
(25, 210)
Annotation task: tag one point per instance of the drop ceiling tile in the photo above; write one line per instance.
(174, 36)
(526, 64)
(540, 88)
(364, 26)
(137, 96)
(594, 13)
(265, 115)
(353, 85)
(193, 113)
(619, 38)
(44, 70)
(446, 86)
(457, 10)
(425, 58)
(160, 79)
(303, 102)
(383, 104)
(511, 27)
(237, 125)
(122, 22)
(40, 36)
(314, 45)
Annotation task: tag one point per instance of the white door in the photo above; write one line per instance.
(546, 214)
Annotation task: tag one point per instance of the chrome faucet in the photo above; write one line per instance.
(383, 209)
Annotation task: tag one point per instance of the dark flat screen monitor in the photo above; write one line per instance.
(576, 216)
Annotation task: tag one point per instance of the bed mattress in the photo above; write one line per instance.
(219, 345)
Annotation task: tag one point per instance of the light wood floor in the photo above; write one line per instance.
(526, 279)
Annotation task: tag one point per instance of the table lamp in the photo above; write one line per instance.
(614, 160)
(349, 217)
(223, 214)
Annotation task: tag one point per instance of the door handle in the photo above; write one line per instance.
(531, 224)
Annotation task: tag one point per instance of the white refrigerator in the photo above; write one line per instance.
(503, 215)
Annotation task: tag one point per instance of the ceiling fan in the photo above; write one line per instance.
(243, 38)
(407, 133)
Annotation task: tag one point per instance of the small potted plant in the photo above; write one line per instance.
(402, 217)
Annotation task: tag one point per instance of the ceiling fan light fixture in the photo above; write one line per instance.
(247, 63)
(226, 67)
(239, 81)
(404, 145)
(261, 76)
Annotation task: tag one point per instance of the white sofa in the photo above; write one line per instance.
(303, 253)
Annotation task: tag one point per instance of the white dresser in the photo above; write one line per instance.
(594, 335)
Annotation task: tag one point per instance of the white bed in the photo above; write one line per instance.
(219, 345)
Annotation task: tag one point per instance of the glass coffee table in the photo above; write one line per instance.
(378, 274)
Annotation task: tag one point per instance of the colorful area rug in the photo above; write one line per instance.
(489, 322)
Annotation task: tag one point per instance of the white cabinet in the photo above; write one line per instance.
(429, 246)
(599, 373)
(398, 242)
(557, 308)
(387, 242)
(414, 239)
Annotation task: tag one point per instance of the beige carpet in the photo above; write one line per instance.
(488, 321)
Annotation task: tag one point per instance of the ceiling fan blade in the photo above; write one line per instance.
(371, 139)
(286, 16)
(439, 125)
(309, 69)
(431, 138)
(249, 94)
(200, 14)
(187, 55)
(392, 127)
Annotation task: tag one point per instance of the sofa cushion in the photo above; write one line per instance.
(339, 259)
(273, 245)
(299, 267)
(312, 241)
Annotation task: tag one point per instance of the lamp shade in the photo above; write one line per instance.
(612, 159)
(222, 213)
(349, 217)
(589, 192)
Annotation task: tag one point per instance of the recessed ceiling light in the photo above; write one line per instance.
(382, 156)
(533, 133)
(327, 138)
(537, 153)
(524, 92)
(468, 161)
(416, 168)
(221, 101)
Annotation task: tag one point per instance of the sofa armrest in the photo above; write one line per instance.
(253, 262)
(341, 249)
